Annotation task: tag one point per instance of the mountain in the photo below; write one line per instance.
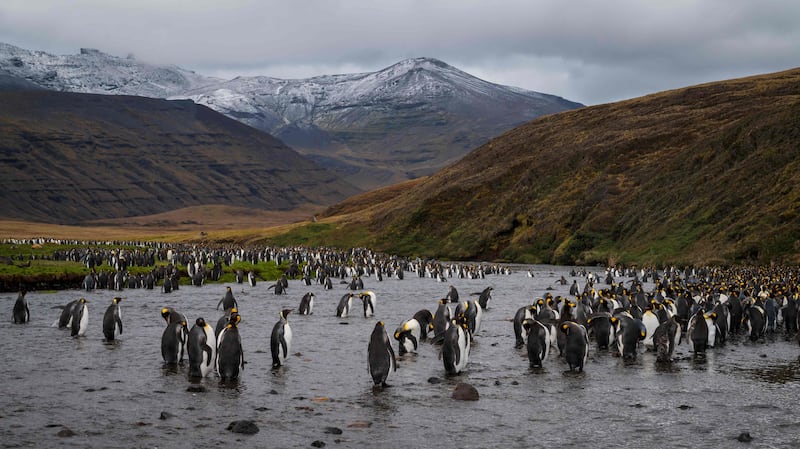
(405, 121)
(703, 174)
(70, 158)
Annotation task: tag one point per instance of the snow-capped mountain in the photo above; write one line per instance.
(407, 120)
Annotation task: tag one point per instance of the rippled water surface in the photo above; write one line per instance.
(120, 395)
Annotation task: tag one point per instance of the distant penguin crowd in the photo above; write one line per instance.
(609, 311)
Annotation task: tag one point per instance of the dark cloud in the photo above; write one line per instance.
(586, 51)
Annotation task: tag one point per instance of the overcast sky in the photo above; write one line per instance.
(584, 50)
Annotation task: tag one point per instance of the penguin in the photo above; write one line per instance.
(697, 332)
(472, 313)
(665, 337)
(278, 287)
(603, 327)
(230, 356)
(380, 356)
(455, 347)
(112, 320)
(201, 348)
(65, 318)
(408, 335)
(327, 283)
(280, 342)
(452, 294)
(577, 346)
(440, 321)
(343, 309)
(21, 312)
(227, 301)
(754, 319)
(368, 299)
(540, 339)
(173, 342)
(523, 313)
(251, 278)
(484, 297)
(224, 319)
(424, 318)
(573, 289)
(306, 304)
(629, 333)
(651, 322)
(171, 315)
(80, 318)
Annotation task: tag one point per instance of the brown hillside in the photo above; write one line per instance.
(72, 158)
(709, 173)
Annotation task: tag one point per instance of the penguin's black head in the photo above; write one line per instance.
(200, 322)
(285, 312)
(165, 313)
(83, 301)
(117, 300)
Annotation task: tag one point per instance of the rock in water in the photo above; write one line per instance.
(245, 427)
(465, 392)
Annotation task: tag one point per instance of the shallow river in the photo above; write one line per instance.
(120, 395)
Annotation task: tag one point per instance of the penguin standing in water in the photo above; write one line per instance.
(408, 336)
(201, 348)
(452, 295)
(112, 320)
(440, 322)
(424, 318)
(171, 315)
(230, 356)
(368, 299)
(523, 313)
(484, 297)
(21, 312)
(380, 356)
(251, 278)
(173, 342)
(455, 347)
(228, 301)
(224, 319)
(664, 338)
(65, 319)
(343, 309)
(306, 304)
(80, 318)
(540, 338)
(577, 347)
(280, 342)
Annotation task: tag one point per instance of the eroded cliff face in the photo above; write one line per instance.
(68, 158)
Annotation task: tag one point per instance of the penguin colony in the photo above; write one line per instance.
(694, 306)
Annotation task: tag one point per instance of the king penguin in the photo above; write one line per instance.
(408, 336)
(343, 309)
(456, 346)
(230, 356)
(173, 342)
(280, 343)
(201, 348)
(112, 320)
(306, 304)
(228, 301)
(21, 312)
(368, 299)
(380, 356)
(80, 318)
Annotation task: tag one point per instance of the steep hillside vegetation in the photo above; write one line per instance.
(709, 173)
(69, 158)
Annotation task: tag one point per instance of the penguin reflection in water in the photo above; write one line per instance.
(380, 356)
(112, 320)
(280, 342)
(201, 347)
